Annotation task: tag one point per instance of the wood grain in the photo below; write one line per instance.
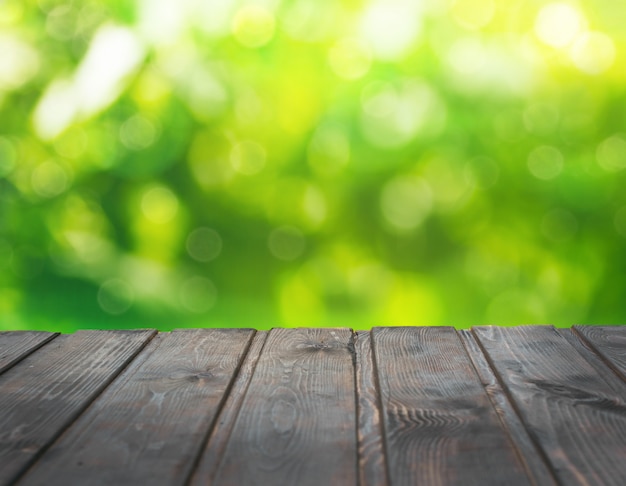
(609, 342)
(149, 426)
(45, 392)
(372, 461)
(297, 422)
(228, 414)
(608, 375)
(569, 410)
(536, 467)
(16, 345)
(439, 423)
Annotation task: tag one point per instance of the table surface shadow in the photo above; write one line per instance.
(526, 405)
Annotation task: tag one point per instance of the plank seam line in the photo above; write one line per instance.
(81, 410)
(352, 350)
(220, 408)
(379, 403)
(594, 349)
(466, 336)
(19, 359)
(611, 379)
(509, 397)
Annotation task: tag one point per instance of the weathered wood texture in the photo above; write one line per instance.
(15, 346)
(439, 423)
(221, 433)
(149, 426)
(394, 406)
(594, 359)
(570, 411)
(610, 343)
(296, 424)
(372, 458)
(537, 468)
(45, 392)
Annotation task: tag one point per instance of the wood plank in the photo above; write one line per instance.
(536, 466)
(150, 425)
(372, 455)
(569, 410)
(594, 359)
(297, 423)
(16, 345)
(440, 426)
(609, 342)
(228, 414)
(45, 392)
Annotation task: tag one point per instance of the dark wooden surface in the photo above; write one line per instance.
(394, 406)
(15, 346)
(298, 416)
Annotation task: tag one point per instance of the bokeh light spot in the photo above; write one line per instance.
(329, 150)
(558, 24)
(406, 202)
(198, 294)
(541, 118)
(378, 99)
(248, 157)
(545, 162)
(72, 144)
(159, 204)
(467, 56)
(391, 27)
(207, 97)
(204, 244)
(308, 21)
(61, 22)
(473, 14)
(349, 59)
(137, 133)
(286, 243)
(49, 179)
(113, 54)
(314, 205)
(253, 26)
(115, 296)
(611, 153)
(593, 53)
(19, 62)
(394, 114)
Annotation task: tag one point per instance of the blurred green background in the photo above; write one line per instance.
(311, 163)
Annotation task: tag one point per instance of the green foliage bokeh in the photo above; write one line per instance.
(311, 163)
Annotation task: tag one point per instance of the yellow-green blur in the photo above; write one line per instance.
(180, 163)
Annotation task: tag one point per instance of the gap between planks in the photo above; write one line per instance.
(370, 434)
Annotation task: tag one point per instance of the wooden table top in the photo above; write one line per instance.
(403, 405)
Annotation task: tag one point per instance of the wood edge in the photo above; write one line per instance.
(530, 455)
(379, 403)
(487, 327)
(46, 339)
(362, 341)
(210, 454)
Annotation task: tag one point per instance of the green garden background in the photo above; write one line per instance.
(311, 163)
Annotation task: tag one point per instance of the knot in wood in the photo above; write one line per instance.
(320, 346)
